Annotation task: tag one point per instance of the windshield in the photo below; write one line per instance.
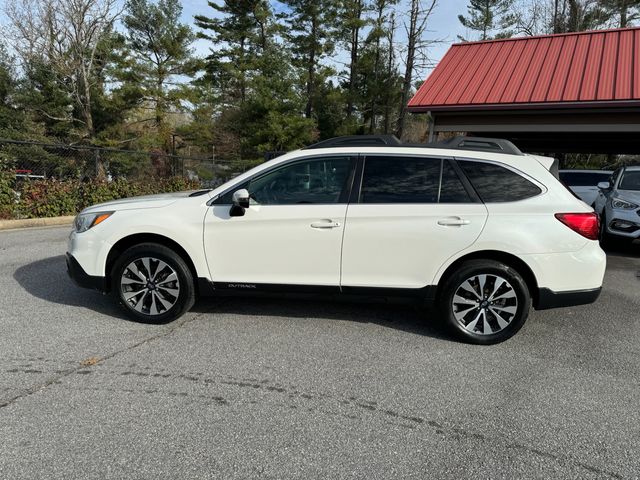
(630, 181)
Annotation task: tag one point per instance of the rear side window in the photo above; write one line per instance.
(400, 180)
(411, 180)
(452, 189)
(496, 184)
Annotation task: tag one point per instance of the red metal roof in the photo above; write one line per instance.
(586, 69)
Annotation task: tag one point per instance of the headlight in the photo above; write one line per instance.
(85, 221)
(623, 204)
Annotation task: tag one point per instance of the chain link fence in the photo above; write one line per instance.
(36, 160)
(43, 179)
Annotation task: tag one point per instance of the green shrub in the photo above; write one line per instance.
(53, 198)
(7, 194)
(48, 198)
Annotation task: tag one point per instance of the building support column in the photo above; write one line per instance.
(431, 126)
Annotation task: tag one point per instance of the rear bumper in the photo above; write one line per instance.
(81, 278)
(549, 299)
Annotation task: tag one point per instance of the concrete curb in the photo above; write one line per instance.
(35, 222)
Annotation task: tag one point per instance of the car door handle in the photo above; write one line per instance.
(453, 222)
(325, 224)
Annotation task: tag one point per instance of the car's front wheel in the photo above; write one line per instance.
(485, 301)
(153, 283)
(607, 240)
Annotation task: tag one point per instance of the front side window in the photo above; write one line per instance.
(319, 181)
(630, 181)
(496, 184)
(400, 180)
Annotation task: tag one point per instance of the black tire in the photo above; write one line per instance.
(179, 304)
(518, 301)
(606, 240)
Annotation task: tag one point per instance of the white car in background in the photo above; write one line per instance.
(618, 203)
(471, 226)
(584, 183)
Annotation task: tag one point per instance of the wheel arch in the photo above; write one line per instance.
(138, 238)
(507, 258)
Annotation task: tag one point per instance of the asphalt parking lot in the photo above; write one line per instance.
(258, 388)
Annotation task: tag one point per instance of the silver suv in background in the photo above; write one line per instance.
(584, 183)
(618, 204)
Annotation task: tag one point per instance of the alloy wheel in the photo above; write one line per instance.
(485, 304)
(149, 286)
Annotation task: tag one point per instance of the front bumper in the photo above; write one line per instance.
(81, 278)
(624, 223)
(547, 298)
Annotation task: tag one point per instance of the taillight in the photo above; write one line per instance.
(586, 224)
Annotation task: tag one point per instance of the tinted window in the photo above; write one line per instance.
(400, 180)
(313, 181)
(498, 184)
(630, 181)
(452, 189)
(583, 179)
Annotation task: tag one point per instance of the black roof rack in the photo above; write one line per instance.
(482, 144)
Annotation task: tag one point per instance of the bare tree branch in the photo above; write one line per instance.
(64, 35)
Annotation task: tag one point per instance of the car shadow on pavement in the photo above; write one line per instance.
(47, 279)
(624, 249)
(394, 315)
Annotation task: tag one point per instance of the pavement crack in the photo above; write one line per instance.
(86, 364)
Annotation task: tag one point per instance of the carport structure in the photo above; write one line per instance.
(567, 93)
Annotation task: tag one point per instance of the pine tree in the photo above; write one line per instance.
(353, 19)
(249, 73)
(487, 16)
(11, 117)
(378, 81)
(48, 102)
(240, 36)
(312, 29)
(161, 49)
(578, 15)
(115, 91)
(623, 12)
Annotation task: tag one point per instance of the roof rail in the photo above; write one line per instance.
(358, 141)
(482, 144)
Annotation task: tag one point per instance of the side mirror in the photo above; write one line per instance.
(241, 198)
(604, 185)
(240, 201)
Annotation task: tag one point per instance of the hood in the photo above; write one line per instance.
(146, 201)
(632, 196)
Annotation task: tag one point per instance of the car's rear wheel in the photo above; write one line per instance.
(485, 301)
(153, 283)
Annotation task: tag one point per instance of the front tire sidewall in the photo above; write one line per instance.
(480, 267)
(186, 296)
(605, 239)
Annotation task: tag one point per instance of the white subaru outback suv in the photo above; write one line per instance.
(472, 226)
